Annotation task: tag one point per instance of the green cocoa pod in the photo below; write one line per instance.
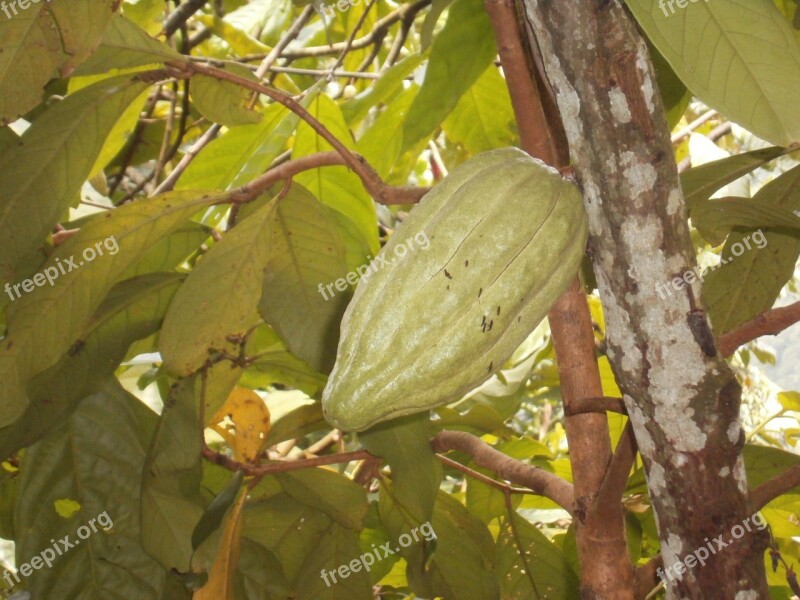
(458, 287)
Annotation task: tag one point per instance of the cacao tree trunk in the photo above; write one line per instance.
(682, 398)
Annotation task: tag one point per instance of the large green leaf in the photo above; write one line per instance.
(224, 102)
(43, 174)
(170, 492)
(125, 46)
(483, 119)
(531, 566)
(306, 542)
(44, 41)
(382, 143)
(242, 153)
(307, 253)
(416, 473)
(93, 460)
(699, 183)
(326, 491)
(219, 297)
(463, 565)
(714, 219)
(46, 322)
(748, 284)
(337, 187)
(460, 53)
(738, 56)
(383, 90)
(132, 310)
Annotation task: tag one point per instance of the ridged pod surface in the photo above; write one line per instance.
(505, 237)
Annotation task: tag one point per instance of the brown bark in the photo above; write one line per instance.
(606, 571)
(682, 398)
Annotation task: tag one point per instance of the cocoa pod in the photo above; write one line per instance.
(506, 234)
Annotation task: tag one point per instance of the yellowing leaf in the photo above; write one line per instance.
(223, 571)
(249, 423)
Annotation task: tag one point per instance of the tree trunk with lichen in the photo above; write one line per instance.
(682, 397)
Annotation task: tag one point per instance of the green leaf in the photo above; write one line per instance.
(240, 42)
(714, 219)
(460, 53)
(94, 459)
(45, 41)
(790, 400)
(241, 153)
(307, 253)
(748, 284)
(337, 187)
(224, 102)
(46, 322)
(699, 183)
(53, 160)
(531, 565)
(170, 498)
(326, 491)
(383, 90)
(462, 565)
(416, 473)
(216, 511)
(382, 143)
(171, 250)
(219, 297)
(483, 119)
(674, 94)
(293, 415)
(125, 46)
(132, 310)
(738, 56)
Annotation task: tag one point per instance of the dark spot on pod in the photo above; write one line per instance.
(498, 311)
(519, 319)
(490, 367)
(446, 274)
(448, 287)
(480, 291)
(466, 263)
(490, 325)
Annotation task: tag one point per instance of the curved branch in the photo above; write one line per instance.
(540, 481)
(772, 488)
(377, 188)
(770, 322)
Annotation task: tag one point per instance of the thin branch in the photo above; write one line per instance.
(581, 406)
(536, 134)
(201, 143)
(772, 488)
(378, 30)
(348, 44)
(284, 465)
(770, 322)
(180, 15)
(687, 131)
(375, 186)
(540, 481)
(616, 477)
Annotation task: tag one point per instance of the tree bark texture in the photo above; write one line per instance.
(682, 398)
